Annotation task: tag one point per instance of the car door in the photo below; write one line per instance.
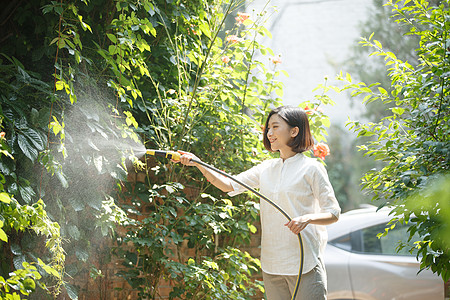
(378, 271)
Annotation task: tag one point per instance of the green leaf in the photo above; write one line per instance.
(82, 254)
(95, 201)
(252, 228)
(35, 138)
(348, 77)
(112, 49)
(18, 261)
(205, 29)
(26, 147)
(4, 197)
(74, 232)
(383, 91)
(112, 37)
(3, 235)
(76, 204)
(27, 193)
(378, 44)
(72, 291)
(98, 163)
(326, 122)
(15, 249)
(149, 28)
(62, 179)
(279, 92)
(59, 85)
(48, 269)
(398, 110)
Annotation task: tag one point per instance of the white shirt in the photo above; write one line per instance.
(299, 185)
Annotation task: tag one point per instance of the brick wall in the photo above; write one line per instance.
(109, 286)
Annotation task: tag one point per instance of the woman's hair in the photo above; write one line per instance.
(294, 117)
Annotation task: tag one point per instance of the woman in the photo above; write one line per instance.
(300, 186)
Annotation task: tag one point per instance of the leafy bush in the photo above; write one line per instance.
(20, 211)
(177, 75)
(413, 141)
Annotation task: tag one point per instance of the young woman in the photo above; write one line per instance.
(300, 186)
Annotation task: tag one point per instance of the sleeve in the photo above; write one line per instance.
(250, 177)
(323, 191)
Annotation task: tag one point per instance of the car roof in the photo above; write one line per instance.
(359, 218)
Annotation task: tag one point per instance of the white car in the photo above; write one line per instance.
(361, 266)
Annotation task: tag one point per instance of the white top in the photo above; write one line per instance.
(299, 185)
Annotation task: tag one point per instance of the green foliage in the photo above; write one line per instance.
(433, 225)
(345, 158)
(371, 69)
(161, 67)
(205, 226)
(20, 211)
(215, 278)
(413, 141)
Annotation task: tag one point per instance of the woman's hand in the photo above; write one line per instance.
(298, 224)
(186, 158)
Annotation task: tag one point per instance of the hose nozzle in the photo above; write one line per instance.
(167, 154)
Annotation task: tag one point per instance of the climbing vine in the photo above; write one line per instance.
(111, 76)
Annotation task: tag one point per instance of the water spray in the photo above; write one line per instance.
(176, 156)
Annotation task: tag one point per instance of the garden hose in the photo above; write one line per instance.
(176, 156)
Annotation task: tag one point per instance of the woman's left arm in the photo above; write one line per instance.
(299, 223)
(324, 194)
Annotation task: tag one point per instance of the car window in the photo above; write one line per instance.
(366, 240)
(387, 244)
(343, 242)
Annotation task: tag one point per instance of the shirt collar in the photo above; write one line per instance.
(292, 158)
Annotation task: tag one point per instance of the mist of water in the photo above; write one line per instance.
(98, 147)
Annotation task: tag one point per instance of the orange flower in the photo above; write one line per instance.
(321, 150)
(241, 17)
(225, 59)
(308, 110)
(2, 135)
(275, 60)
(233, 39)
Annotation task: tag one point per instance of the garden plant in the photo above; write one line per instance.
(86, 82)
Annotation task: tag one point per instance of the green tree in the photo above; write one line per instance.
(367, 68)
(413, 140)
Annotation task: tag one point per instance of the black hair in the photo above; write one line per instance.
(294, 117)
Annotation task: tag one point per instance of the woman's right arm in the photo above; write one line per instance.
(221, 182)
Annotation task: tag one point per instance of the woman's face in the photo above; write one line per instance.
(279, 133)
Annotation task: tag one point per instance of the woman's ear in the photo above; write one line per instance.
(294, 131)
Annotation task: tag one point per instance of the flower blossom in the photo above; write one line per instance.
(233, 39)
(225, 59)
(275, 60)
(241, 17)
(2, 134)
(321, 150)
(308, 110)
